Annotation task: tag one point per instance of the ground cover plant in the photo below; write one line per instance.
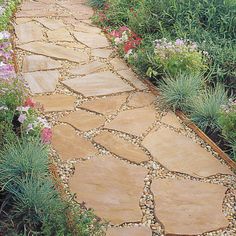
(30, 197)
(180, 42)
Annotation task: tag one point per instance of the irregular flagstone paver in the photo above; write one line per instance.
(131, 231)
(92, 40)
(37, 62)
(111, 187)
(69, 145)
(134, 122)
(121, 147)
(92, 67)
(132, 78)
(40, 13)
(75, 45)
(83, 27)
(22, 20)
(42, 81)
(51, 24)
(179, 153)
(103, 53)
(28, 6)
(106, 105)
(84, 120)
(28, 32)
(188, 207)
(171, 119)
(52, 50)
(56, 102)
(61, 34)
(141, 99)
(119, 64)
(98, 84)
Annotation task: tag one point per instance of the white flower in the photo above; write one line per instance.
(3, 108)
(118, 41)
(129, 53)
(23, 109)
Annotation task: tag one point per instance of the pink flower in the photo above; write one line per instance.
(46, 135)
(115, 34)
(29, 103)
(22, 118)
(123, 29)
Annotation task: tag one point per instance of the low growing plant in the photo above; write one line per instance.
(205, 108)
(176, 93)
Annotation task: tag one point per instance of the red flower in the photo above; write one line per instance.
(29, 103)
(46, 135)
(132, 44)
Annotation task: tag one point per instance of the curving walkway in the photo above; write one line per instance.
(137, 166)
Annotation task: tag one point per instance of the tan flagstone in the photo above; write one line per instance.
(90, 68)
(28, 6)
(40, 13)
(69, 145)
(92, 40)
(22, 20)
(83, 27)
(132, 78)
(75, 45)
(28, 32)
(42, 81)
(171, 119)
(98, 84)
(100, 52)
(121, 147)
(111, 187)
(52, 50)
(119, 64)
(56, 102)
(37, 62)
(135, 121)
(61, 34)
(140, 99)
(51, 24)
(187, 207)
(179, 153)
(106, 105)
(129, 231)
(84, 120)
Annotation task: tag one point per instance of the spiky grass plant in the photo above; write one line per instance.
(205, 108)
(23, 159)
(176, 93)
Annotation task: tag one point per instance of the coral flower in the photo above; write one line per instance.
(29, 103)
(46, 135)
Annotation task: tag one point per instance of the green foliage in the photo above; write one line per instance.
(97, 3)
(205, 108)
(23, 159)
(177, 92)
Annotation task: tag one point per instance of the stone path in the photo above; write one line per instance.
(137, 166)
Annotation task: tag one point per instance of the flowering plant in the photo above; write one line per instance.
(125, 40)
(180, 56)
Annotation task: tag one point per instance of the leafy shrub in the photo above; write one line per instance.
(205, 108)
(23, 159)
(177, 92)
(97, 3)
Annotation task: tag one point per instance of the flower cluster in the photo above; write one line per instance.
(126, 40)
(180, 56)
(32, 124)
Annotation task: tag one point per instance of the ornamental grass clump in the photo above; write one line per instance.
(205, 108)
(180, 56)
(176, 93)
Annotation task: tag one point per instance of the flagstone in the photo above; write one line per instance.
(132, 78)
(129, 231)
(28, 6)
(55, 51)
(22, 20)
(187, 207)
(61, 34)
(119, 64)
(141, 99)
(179, 153)
(98, 84)
(69, 145)
(42, 81)
(121, 147)
(51, 24)
(56, 102)
(100, 52)
(135, 121)
(83, 27)
(171, 119)
(75, 45)
(28, 32)
(37, 62)
(40, 13)
(111, 187)
(84, 120)
(106, 105)
(92, 40)
(90, 68)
